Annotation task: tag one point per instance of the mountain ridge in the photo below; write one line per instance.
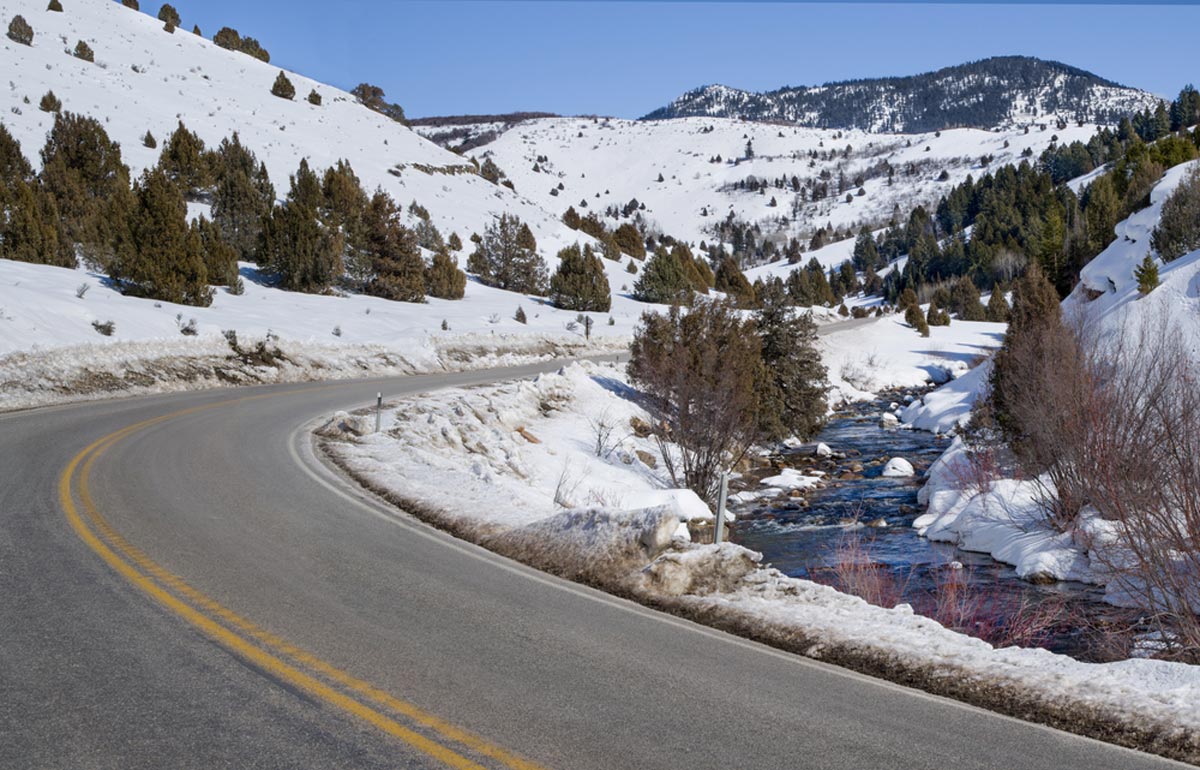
(986, 93)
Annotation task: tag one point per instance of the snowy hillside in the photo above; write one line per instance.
(609, 162)
(145, 79)
(1001, 91)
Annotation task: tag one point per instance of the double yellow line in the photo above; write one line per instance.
(257, 645)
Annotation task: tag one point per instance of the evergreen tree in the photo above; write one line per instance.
(228, 38)
(454, 243)
(629, 240)
(169, 15)
(399, 270)
(220, 259)
(373, 98)
(571, 218)
(158, 255)
(506, 257)
(132, 4)
(283, 87)
(792, 398)
(185, 163)
(149, 141)
(30, 226)
(242, 197)
(54, 5)
(293, 245)
(1178, 228)
(663, 280)
(732, 281)
(997, 306)
(916, 319)
(84, 51)
(443, 279)
(314, 98)
(579, 282)
(82, 169)
(50, 103)
(1147, 275)
(19, 31)
(866, 252)
(965, 301)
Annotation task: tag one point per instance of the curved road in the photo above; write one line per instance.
(182, 585)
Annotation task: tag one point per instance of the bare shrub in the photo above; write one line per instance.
(566, 488)
(82, 289)
(603, 430)
(855, 572)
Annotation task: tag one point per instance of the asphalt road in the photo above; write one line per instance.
(198, 592)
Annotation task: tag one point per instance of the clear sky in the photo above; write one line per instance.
(440, 57)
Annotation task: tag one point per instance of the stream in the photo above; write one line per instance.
(808, 534)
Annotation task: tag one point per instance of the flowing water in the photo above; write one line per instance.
(808, 536)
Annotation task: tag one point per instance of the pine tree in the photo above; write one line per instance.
(1147, 275)
(314, 98)
(84, 51)
(196, 30)
(571, 218)
(159, 256)
(168, 14)
(506, 258)
(133, 4)
(302, 254)
(579, 282)
(19, 31)
(283, 87)
(30, 227)
(55, 6)
(454, 243)
(916, 319)
(663, 280)
(792, 399)
(965, 301)
(443, 279)
(149, 141)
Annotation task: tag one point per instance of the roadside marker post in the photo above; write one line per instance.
(378, 410)
(719, 531)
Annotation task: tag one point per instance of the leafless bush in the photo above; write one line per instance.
(1143, 476)
(82, 289)
(567, 486)
(603, 428)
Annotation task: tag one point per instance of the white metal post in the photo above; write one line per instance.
(378, 410)
(719, 531)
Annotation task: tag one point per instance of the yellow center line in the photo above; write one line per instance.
(206, 622)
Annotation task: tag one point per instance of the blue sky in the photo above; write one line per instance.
(437, 57)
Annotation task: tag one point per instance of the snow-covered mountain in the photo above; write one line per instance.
(689, 175)
(990, 93)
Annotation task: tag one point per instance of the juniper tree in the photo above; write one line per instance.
(84, 51)
(158, 255)
(506, 259)
(792, 395)
(83, 170)
(149, 141)
(731, 281)
(997, 306)
(196, 30)
(252, 47)
(133, 4)
(373, 98)
(186, 163)
(30, 226)
(298, 250)
(629, 239)
(663, 280)
(314, 98)
(168, 14)
(228, 38)
(965, 301)
(54, 5)
(19, 31)
(283, 87)
(397, 267)
(571, 218)
(1147, 275)
(242, 197)
(701, 370)
(454, 243)
(443, 279)
(579, 282)
(50, 103)
(1178, 228)
(220, 259)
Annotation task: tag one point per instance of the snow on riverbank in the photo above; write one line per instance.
(1005, 519)
(515, 467)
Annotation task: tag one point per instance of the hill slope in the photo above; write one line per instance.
(984, 94)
